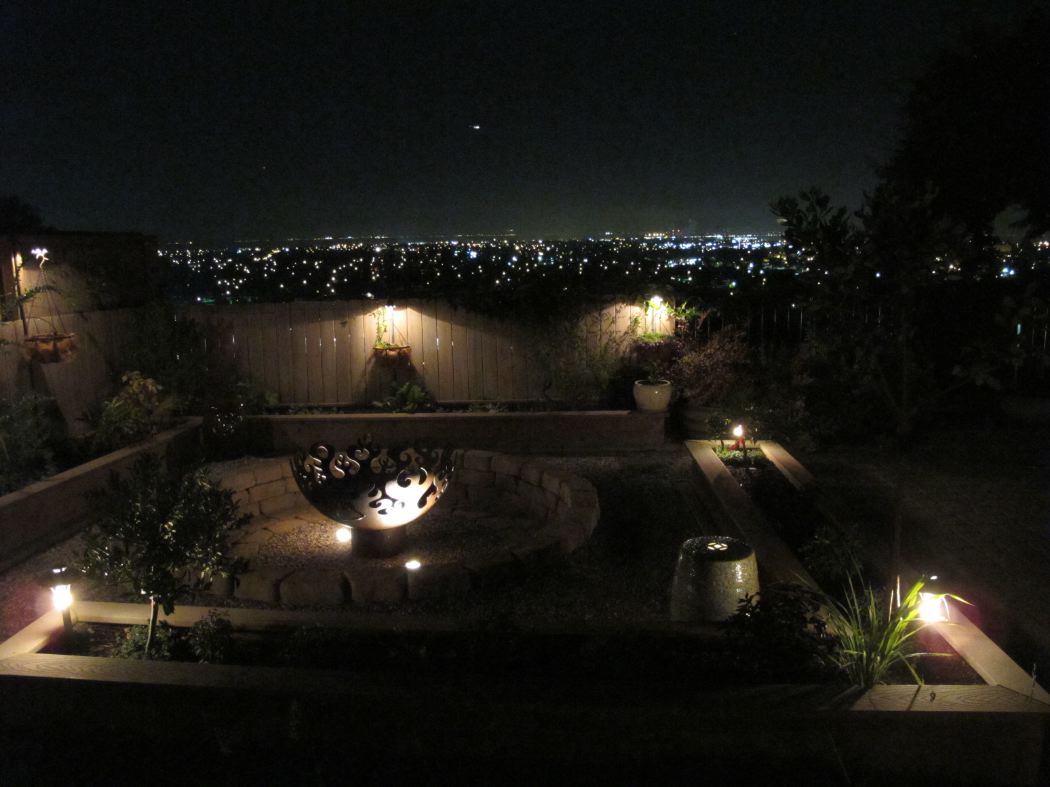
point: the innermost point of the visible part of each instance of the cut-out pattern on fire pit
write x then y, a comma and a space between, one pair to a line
370, 487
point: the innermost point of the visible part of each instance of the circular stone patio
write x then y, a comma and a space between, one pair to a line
498, 511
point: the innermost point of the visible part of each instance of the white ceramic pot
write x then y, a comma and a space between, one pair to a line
652, 397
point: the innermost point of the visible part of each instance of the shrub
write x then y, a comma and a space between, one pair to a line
162, 537
406, 398
578, 356
132, 644
211, 638
715, 372
140, 409
832, 555
27, 437
780, 634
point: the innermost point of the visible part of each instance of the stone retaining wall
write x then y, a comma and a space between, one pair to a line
567, 503
565, 506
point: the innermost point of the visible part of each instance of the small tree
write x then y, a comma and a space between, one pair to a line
162, 537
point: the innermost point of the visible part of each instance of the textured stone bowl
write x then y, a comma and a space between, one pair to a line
712, 576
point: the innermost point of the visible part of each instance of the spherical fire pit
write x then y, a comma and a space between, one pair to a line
374, 490
713, 575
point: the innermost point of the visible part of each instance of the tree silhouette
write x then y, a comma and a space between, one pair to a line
977, 130
18, 216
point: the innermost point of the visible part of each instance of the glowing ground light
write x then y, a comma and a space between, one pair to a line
738, 431
933, 608
62, 597
343, 535
413, 565
717, 546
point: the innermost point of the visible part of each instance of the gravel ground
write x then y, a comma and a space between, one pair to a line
621, 577
975, 509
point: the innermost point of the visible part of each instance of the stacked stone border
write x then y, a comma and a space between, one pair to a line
566, 505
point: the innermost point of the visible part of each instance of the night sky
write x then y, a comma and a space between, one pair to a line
220, 121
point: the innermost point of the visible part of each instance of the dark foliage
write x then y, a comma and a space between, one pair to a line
780, 635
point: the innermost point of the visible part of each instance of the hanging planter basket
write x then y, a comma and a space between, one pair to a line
49, 348
393, 354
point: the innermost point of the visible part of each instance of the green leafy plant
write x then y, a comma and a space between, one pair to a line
161, 537
406, 398
780, 634
874, 635
141, 408
27, 437
211, 638
716, 371
832, 555
135, 640
748, 457
578, 356
487, 407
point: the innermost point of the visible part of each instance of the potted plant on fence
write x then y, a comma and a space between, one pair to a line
55, 346
389, 352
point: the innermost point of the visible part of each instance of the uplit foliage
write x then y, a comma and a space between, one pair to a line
406, 398
160, 537
875, 635
141, 408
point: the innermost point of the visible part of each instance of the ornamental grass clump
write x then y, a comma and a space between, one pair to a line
873, 636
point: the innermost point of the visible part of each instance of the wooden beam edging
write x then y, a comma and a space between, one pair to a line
789, 467
33, 637
47, 511
184, 616
775, 558
986, 658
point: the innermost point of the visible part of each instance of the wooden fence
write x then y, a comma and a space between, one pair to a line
82, 381
321, 352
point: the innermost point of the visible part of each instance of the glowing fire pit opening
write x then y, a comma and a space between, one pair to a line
375, 491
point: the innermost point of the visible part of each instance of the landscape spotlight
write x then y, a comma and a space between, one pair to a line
933, 608
413, 565
343, 535
62, 596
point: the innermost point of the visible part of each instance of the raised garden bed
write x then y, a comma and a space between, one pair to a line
47, 511
610, 684
793, 501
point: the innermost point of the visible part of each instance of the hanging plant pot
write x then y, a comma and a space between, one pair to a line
393, 354
49, 347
